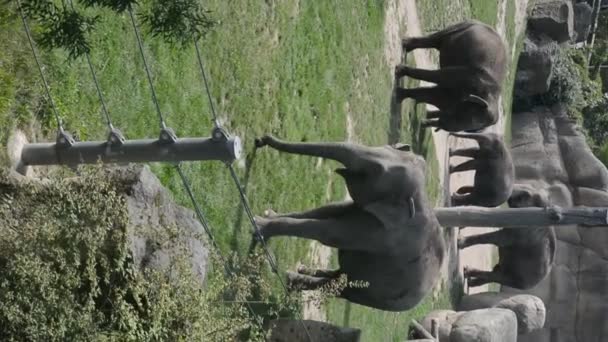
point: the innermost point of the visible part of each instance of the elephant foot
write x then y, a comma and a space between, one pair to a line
302, 269
461, 243
406, 44
401, 70
269, 213
260, 234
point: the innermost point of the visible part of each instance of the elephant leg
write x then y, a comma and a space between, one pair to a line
461, 199
433, 114
500, 238
359, 230
465, 166
304, 282
466, 189
428, 42
318, 272
447, 77
432, 95
353, 156
479, 278
430, 123
327, 211
472, 152
481, 138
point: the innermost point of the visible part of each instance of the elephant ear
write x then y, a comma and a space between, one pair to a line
477, 100
393, 213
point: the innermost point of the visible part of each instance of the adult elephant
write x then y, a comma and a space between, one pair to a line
387, 237
469, 81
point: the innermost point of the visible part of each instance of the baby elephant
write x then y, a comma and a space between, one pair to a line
494, 171
388, 237
473, 61
526, 255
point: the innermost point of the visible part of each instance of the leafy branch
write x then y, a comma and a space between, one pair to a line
174, 21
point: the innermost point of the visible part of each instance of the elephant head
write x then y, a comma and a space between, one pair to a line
524, 196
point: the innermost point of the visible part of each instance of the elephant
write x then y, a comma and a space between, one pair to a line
494, 171
526, 255
473, 66
387, 236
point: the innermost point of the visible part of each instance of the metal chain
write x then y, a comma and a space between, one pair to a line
46, 86
143, 56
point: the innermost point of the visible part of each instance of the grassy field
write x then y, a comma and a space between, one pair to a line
292, 68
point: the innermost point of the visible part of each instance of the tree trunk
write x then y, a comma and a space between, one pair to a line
521, 217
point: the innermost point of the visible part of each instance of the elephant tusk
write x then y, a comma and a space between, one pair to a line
412, 208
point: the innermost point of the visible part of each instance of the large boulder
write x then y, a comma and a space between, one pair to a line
153, 216
583, 19
535, 65
529, 310
485, 325
551, 156
289, 330
553, 18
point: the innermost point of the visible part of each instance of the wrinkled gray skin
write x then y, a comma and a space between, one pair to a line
494, 171
526, 255
472, 60
388, 236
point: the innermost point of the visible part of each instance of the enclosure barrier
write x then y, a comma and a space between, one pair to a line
167, 148
470, 216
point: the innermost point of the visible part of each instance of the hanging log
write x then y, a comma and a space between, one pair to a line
521, 217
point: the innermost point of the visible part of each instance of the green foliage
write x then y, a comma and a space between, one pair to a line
60, 27
118, 6
603, 153
180, 21
67, 273
571, 84
177, 21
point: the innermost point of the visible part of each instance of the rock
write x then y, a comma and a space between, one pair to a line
583, 19
551, 155
152, 214
534, 68
554, 18
529, 310
445, 319
288, 330
485, 325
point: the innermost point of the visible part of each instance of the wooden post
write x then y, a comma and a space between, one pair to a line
521, 217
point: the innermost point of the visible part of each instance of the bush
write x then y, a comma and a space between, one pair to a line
66, 274
571, 84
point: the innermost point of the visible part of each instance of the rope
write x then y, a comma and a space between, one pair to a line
99, 93
200, 64
143, 56
46, 86
203, 220
244, 201
199, 213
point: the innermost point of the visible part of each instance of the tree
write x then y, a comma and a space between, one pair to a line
178, 22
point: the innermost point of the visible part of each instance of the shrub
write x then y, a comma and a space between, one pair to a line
67, 274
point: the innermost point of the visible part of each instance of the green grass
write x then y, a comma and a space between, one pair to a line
291, 68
